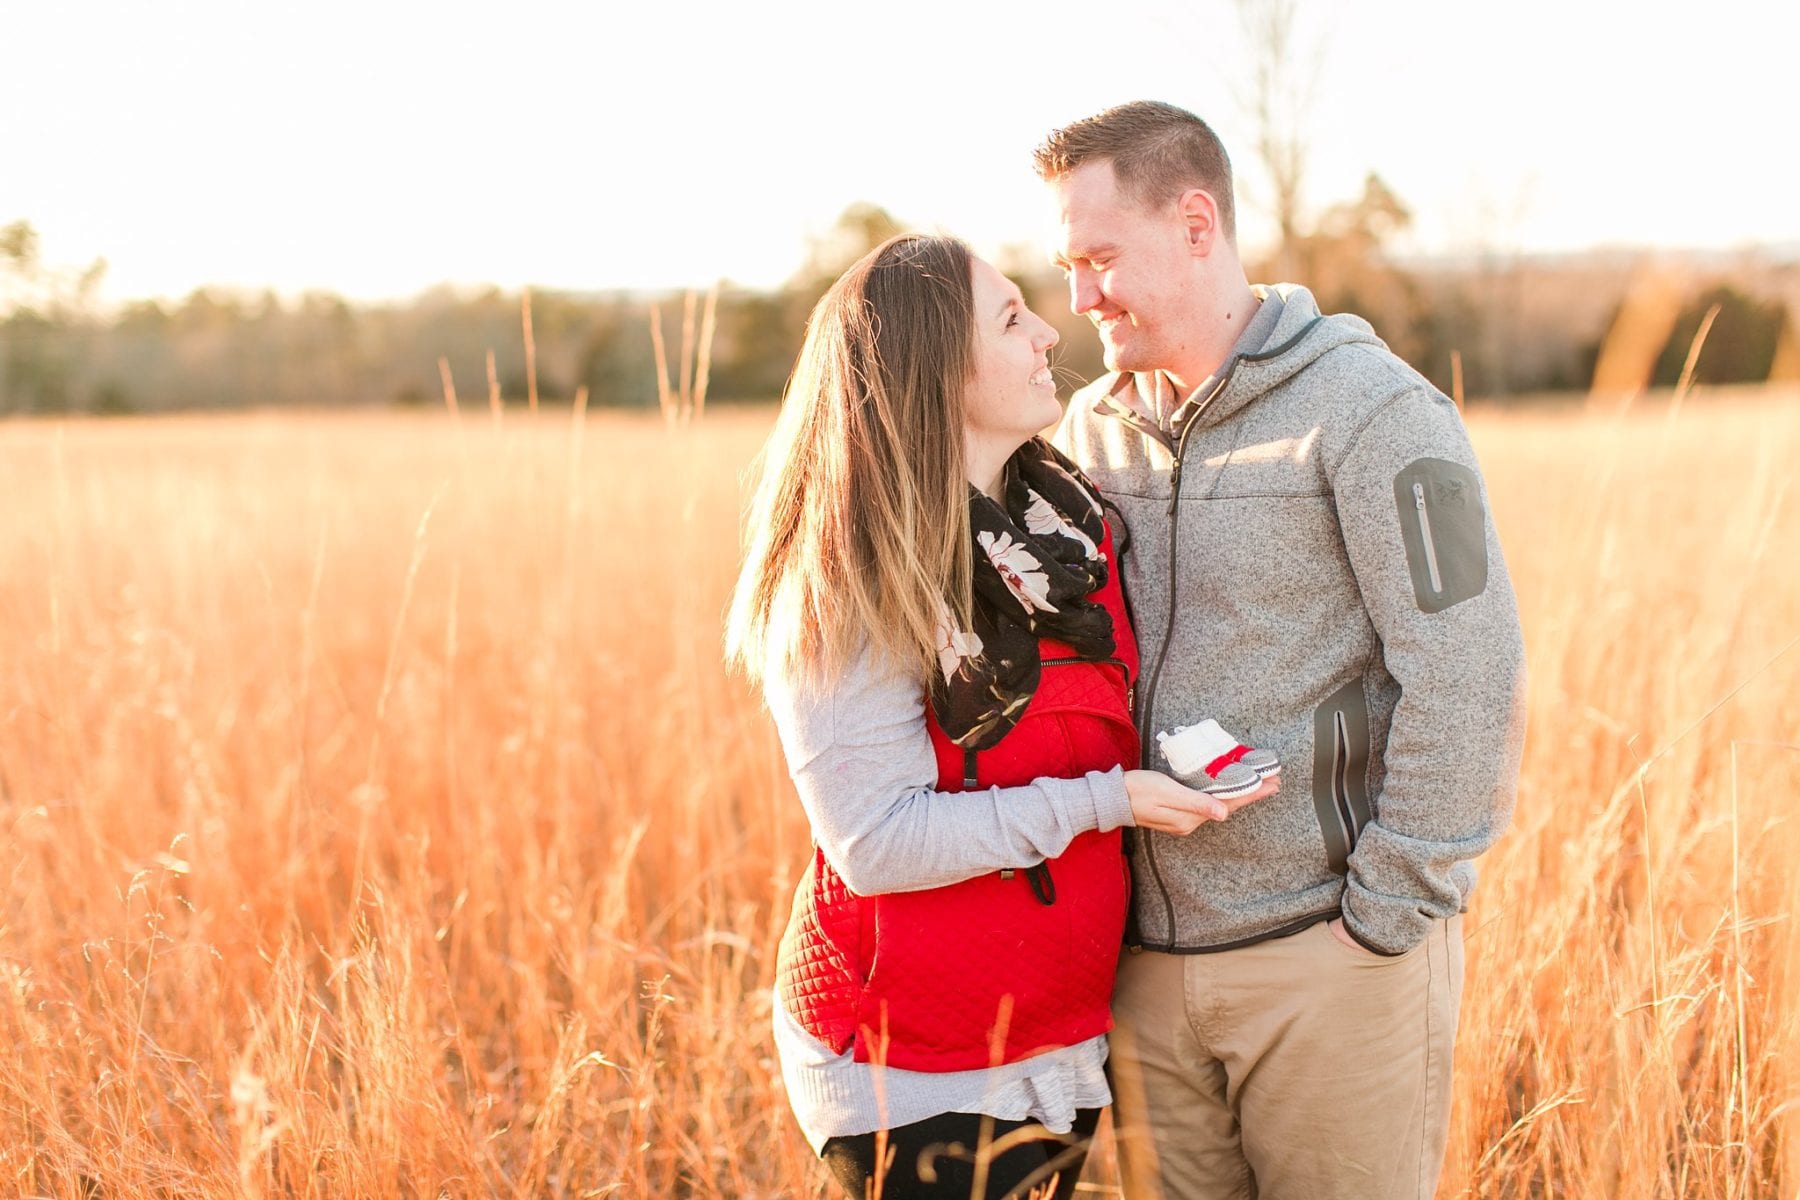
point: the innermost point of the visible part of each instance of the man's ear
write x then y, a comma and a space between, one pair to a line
1200, 214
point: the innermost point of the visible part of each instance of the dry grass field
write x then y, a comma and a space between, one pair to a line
377, 820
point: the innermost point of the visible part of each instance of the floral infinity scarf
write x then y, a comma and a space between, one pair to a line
1037, 561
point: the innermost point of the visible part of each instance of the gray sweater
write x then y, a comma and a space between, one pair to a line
1312, 562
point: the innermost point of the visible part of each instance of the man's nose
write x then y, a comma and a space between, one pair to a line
1084, 291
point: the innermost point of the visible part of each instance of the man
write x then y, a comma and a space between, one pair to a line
1311, 562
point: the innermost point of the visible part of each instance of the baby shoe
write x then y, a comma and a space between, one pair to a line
1207, 750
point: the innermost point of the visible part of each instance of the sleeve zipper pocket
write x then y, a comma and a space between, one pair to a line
1444, 531
1431, 559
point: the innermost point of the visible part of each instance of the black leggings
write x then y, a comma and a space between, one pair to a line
934, 1159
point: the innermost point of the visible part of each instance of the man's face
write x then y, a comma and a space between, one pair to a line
1129, 267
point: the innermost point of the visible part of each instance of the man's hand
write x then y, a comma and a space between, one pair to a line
1160, 803
1336, 925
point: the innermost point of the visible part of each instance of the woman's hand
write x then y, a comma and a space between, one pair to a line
1160, 803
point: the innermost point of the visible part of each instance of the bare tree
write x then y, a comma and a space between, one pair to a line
26, 281
858, 229
1284, 71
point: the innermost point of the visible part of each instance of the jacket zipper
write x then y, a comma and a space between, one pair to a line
1340, 777
1069, 660
1431, 561
1162, 653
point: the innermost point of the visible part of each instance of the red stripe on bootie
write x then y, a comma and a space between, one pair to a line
1226, 759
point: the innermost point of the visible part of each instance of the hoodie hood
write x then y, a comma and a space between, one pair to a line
1300, 337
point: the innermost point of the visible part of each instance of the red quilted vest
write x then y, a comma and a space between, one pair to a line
983, 971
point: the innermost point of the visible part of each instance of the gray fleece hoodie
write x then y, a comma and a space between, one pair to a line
1312, 562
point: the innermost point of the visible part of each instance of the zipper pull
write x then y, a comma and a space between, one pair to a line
1174, 486
1419, 496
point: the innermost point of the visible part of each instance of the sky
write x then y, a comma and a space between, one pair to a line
377, 148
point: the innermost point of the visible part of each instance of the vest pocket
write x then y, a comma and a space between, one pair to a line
1443, 524
1340, 771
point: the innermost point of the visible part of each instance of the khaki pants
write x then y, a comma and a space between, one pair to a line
1293, 1069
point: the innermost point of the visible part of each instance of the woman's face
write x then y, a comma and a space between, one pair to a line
1011, 395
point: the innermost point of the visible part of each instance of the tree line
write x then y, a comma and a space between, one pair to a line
1498, 327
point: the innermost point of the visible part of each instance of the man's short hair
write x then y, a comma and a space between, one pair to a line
1157, 151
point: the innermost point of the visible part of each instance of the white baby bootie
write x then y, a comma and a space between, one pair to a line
1204, 756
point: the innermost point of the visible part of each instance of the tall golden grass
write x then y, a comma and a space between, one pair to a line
376, 818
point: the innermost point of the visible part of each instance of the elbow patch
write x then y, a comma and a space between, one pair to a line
1443, 524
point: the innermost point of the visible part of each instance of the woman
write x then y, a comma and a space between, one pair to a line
929, 602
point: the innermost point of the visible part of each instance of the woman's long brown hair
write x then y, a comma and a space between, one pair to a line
860, 523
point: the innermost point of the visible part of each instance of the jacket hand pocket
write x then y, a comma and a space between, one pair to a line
1340, 771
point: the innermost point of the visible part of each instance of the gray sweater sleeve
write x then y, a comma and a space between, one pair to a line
862, 762
1421, 542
